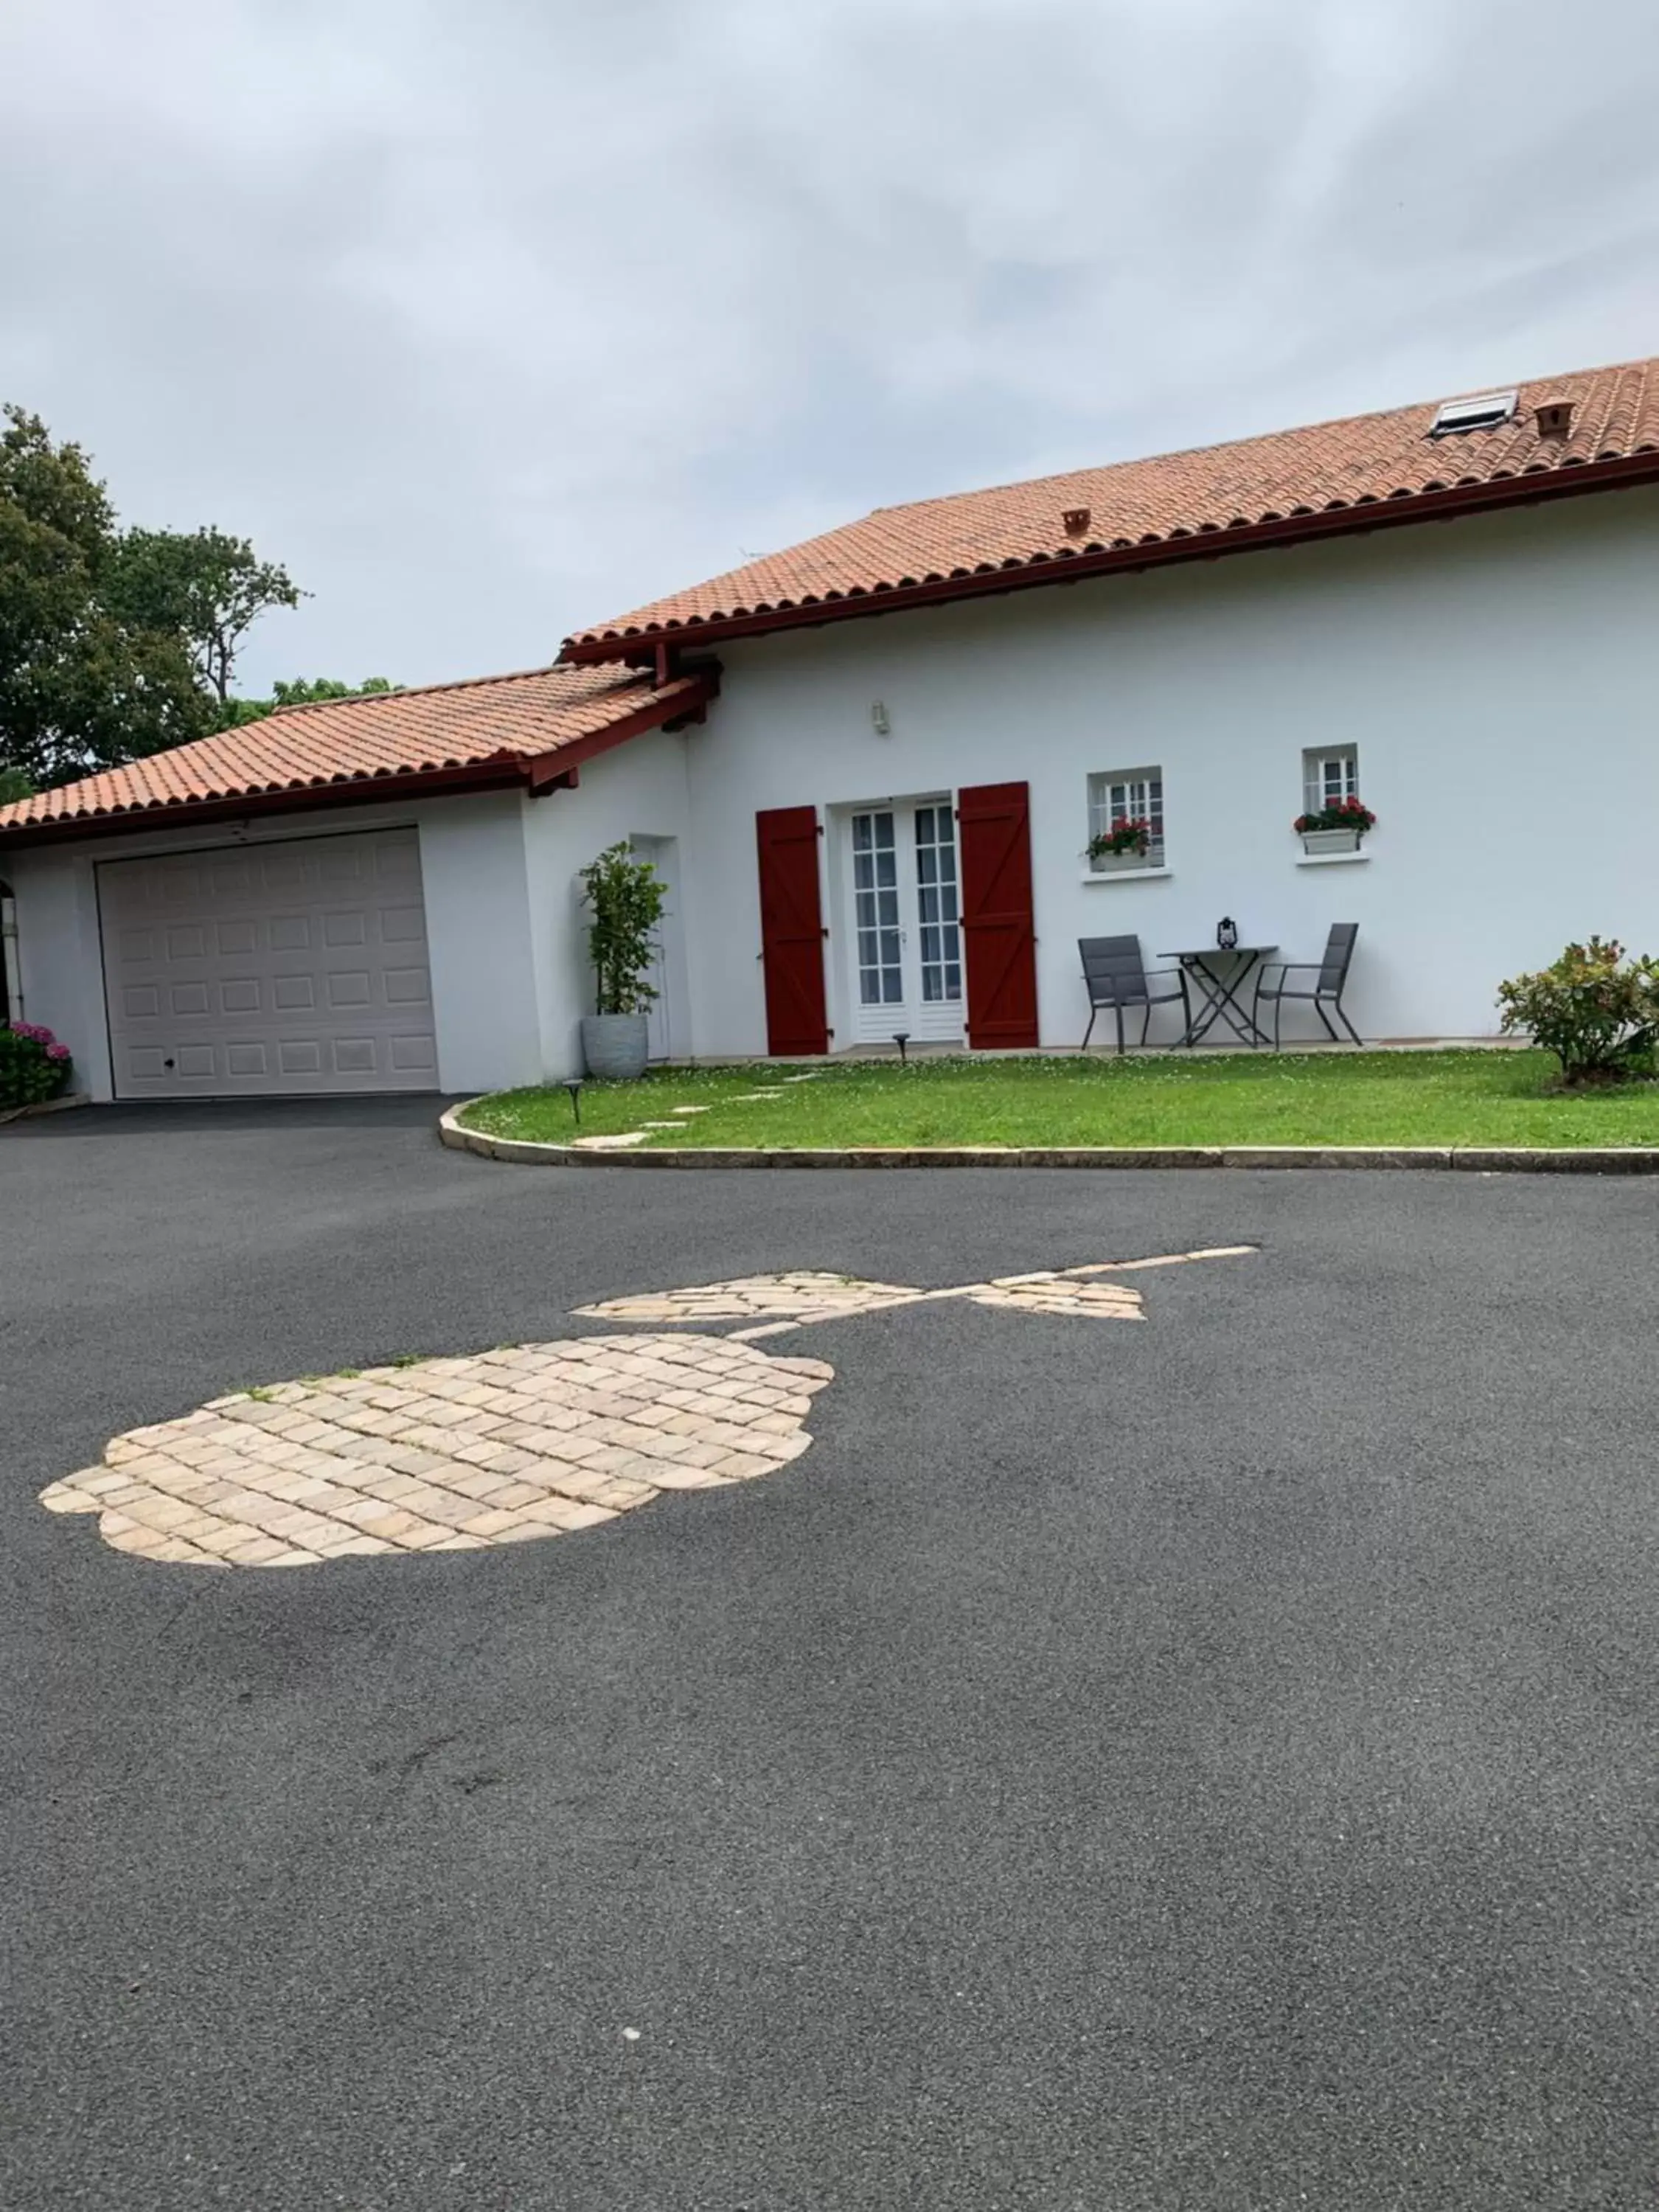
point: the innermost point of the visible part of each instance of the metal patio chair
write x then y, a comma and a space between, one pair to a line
1330, 977
1117, 976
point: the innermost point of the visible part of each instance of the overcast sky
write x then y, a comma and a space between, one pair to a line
493, 319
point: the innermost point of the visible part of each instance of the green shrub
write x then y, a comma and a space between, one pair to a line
627, 897
33, 1066
1596, 1010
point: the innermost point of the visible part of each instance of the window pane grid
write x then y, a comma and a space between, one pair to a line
875, 898
936, 905
1329, 775
1129, 795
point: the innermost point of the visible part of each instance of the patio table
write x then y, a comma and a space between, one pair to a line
1218, 973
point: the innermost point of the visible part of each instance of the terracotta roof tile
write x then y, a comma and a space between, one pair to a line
1327, 468
510, 719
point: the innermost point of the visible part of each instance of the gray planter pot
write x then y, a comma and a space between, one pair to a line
1331, 840
1121, 864
615, 1046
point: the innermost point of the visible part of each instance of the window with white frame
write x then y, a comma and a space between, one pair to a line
1330, 774
1126, 797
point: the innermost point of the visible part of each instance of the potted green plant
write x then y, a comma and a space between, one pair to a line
1337, 829
625, 896
1127, 844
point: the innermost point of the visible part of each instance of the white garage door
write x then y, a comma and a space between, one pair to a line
261, 969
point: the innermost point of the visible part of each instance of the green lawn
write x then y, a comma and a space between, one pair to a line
1243, 1098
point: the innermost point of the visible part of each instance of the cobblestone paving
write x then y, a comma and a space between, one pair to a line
804, 1295
526, 1441
1056, 1294
807, 1295
448, 1455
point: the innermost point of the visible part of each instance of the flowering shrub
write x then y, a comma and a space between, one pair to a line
1597, 1013
33, 1066
1346, 814
1128, 834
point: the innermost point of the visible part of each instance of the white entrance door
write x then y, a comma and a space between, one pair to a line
906, 923
261, 969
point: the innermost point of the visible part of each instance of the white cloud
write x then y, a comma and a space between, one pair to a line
495, 322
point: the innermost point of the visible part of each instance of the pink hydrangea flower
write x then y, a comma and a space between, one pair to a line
58, 1052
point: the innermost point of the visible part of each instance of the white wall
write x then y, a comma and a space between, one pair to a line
475, 874
58, 959
478, 928
640, 790
1498, 677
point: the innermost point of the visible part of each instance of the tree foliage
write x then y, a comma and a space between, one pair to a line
113, 643
300, 692
14, 785
202, 586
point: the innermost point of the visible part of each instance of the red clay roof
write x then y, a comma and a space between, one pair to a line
1292, 482
493, 721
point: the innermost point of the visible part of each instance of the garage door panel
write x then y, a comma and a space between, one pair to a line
403, 925
293, 967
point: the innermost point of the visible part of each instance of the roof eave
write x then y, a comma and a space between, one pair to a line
1042, 570
689, 703
687, 700
495, 775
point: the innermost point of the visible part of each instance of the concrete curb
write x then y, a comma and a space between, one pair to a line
46, 1106
1631, 1160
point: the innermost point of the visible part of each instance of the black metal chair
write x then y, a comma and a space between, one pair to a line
1117, 976
1330, 977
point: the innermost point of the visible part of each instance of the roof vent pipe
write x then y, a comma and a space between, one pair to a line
1554, 418
1076, 520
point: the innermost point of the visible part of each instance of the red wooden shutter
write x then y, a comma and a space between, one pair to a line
792, 930
994, 822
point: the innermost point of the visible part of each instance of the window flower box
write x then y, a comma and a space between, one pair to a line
1337, 829
1128, 846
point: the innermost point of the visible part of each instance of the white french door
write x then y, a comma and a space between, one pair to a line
905, 911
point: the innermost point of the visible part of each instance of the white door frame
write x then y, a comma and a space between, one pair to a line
669, 1018
923, 1021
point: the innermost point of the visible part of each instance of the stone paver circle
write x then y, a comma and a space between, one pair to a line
448, 1455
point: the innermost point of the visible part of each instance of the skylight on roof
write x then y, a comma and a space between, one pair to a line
1484, 412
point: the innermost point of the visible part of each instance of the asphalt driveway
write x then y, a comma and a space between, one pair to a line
1208, 1762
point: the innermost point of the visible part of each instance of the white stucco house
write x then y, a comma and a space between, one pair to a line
870, 767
